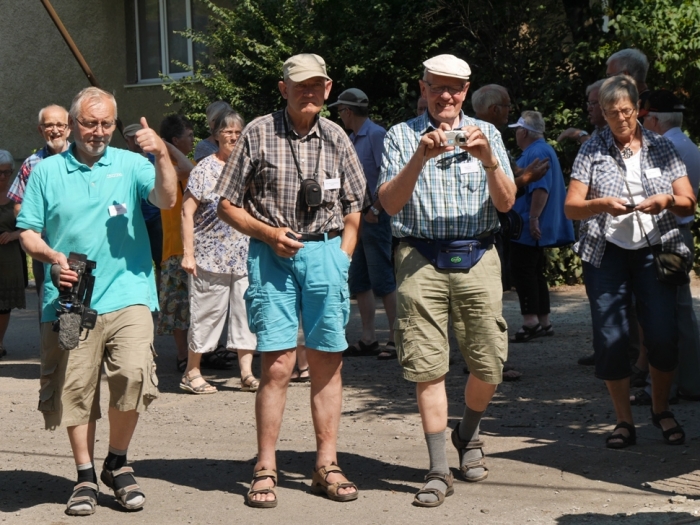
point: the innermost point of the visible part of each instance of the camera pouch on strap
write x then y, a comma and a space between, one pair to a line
670, 268
452, 255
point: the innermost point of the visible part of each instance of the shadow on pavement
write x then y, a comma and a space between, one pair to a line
642, 518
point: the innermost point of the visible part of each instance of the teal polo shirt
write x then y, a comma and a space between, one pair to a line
96, 212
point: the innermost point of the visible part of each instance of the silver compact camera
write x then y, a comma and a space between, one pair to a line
455, 137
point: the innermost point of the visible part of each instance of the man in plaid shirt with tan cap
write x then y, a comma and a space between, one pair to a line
295, 185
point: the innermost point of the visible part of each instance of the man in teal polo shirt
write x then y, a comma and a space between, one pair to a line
88, 201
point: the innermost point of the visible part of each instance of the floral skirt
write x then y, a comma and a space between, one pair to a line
173, 298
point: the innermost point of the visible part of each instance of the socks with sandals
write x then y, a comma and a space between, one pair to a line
438, 463
469, 431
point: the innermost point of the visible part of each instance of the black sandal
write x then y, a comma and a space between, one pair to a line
388, 352
299, 378
362, 349
217, 360
667, 414
527, 333
620, 440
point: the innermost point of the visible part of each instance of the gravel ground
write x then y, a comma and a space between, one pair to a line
194, 455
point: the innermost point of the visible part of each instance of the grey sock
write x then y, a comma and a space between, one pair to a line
438, 463
469, 431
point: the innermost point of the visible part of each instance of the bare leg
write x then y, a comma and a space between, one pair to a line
82, 442
389, 301
620, 394
4, 322
365, 303
477, 394
245, 362
121, 427
302, 368
660, 388
180, 337
193, 369
326, 404
432, 405
269, 407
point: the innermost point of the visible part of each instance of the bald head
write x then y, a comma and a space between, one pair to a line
491, 103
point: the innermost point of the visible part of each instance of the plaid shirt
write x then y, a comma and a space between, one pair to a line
261, 176
599, 165
451, 198
16, 192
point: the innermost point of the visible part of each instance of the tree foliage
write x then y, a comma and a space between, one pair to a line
544, 51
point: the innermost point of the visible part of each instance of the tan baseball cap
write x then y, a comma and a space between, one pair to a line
304, 66
448, 66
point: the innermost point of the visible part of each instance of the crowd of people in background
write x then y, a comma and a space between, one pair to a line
269, 228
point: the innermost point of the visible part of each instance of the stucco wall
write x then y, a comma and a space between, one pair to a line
37, 67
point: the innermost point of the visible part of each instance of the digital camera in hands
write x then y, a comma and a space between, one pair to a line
73, 303
456, 137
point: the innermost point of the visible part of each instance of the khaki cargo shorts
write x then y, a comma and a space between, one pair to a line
428, 298
70, 380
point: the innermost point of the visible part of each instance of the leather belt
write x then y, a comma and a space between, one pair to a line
313, 237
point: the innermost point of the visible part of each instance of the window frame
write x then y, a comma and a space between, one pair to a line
164, 50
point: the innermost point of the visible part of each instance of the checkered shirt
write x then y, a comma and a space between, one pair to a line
16, 192
446, 204
599, 165
261, 177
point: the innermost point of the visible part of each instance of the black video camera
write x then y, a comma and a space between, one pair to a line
76, 299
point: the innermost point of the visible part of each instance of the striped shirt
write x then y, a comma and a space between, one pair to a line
599, 165
451, 198
261, 176
19, 186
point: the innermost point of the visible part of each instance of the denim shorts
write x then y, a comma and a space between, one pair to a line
609, 288
371, 267
313, 284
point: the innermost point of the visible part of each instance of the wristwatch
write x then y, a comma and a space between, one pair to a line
375, 210
581, 134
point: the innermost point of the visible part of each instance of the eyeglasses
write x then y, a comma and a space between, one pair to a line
230, 132
615, 113
52, 125
5, 173
592, 103
439, 90
93, 124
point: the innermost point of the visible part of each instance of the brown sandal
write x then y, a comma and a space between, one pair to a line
257, 476
249, 384
319, 485
447, 479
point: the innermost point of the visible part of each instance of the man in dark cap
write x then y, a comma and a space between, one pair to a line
371, 272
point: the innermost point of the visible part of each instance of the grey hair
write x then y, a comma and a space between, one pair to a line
633, 61
487, 96
50, 106
90, 94
7, 158
595, 86
534, 120
225, 119
215, 108
668, 120
618, 88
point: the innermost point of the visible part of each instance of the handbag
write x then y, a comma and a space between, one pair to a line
670, 267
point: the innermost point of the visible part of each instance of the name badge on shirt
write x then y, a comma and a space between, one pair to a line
469, 167
652, 173
331, 184
117, 209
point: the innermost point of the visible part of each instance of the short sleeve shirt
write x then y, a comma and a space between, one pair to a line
599, 165
96, 212
555, 228
218, 248
369, 145
451, 199
261, 176
19, 185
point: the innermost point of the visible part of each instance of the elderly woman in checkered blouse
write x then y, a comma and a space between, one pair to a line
627, 181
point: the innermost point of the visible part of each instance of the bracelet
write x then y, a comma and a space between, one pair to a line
673, 200
490, 168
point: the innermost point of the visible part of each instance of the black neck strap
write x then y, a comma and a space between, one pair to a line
287, 133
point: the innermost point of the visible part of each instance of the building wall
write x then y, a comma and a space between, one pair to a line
38, 69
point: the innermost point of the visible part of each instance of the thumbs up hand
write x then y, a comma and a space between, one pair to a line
149, 141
